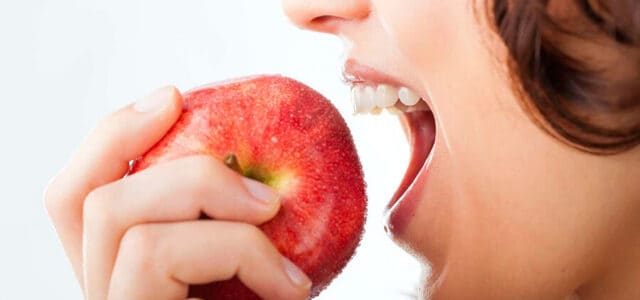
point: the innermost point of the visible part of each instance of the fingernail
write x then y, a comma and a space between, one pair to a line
154, 101
295, 274
260, 191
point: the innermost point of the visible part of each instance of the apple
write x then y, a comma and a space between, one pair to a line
283, 133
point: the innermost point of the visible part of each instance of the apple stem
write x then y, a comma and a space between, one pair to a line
230, 160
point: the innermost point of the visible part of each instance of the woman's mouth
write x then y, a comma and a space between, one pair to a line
372, 92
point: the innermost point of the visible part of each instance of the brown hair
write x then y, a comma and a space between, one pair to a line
579, 71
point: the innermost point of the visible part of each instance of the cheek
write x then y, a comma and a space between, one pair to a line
520, 208
420, 28
503, 196
490, 194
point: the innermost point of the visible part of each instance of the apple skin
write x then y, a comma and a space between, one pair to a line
290, 137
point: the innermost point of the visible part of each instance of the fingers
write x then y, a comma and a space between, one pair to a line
178, 190
104, 157
159, 261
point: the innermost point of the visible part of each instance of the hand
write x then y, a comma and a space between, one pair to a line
139, 237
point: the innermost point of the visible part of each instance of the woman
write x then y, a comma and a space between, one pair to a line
522, 185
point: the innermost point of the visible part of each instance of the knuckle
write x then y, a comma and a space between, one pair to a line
205, 164
96, 204
253, 235
53, 202
203, 171
138, 245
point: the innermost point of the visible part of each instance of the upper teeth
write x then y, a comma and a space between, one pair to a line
364, 99
407, 97
367, 99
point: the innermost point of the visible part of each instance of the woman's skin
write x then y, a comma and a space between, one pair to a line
509, 212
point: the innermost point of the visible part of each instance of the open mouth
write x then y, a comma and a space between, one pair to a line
373, 92
420, 131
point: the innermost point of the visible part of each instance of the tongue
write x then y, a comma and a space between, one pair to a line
420, 130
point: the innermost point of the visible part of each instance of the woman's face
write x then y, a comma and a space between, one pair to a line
499, 200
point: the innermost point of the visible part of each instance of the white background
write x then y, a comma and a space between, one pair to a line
65, 63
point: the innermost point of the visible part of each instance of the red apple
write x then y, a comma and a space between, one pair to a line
291, 138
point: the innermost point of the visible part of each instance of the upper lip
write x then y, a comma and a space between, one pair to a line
355, 73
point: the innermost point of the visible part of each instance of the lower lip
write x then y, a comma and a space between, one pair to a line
421, 135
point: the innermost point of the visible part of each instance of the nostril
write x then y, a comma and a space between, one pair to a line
322, 19
325, 23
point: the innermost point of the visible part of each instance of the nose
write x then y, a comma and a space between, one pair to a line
325, 15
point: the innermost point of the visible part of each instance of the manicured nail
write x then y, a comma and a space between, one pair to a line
295, 274
260, 191
154, 101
